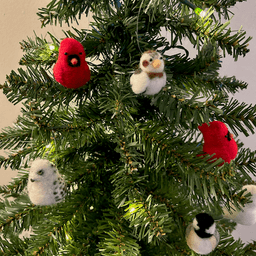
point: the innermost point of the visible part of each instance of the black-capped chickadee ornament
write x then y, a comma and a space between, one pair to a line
45, 184
201, 235
247, 216
150, 78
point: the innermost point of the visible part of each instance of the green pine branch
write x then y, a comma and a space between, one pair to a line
35, 84
63, 11
198, 30
39, 52
17, 247
239, 117
203, 179
222, 6
245, 162
16, 186
116, 236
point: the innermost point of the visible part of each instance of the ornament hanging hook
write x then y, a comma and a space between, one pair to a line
137, 27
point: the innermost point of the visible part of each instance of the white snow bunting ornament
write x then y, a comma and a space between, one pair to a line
247, 216
45, 185
150, 78
201, 235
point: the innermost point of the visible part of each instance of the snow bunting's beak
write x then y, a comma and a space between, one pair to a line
32, 180
156, 63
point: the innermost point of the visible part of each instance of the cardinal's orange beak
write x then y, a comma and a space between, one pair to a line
74, 61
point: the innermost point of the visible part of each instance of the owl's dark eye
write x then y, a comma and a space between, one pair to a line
80, 53
40, 172
65, 53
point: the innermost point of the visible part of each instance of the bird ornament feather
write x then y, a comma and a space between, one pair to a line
247, 216
71, 70
45, 184
201, 235
150, 78
219, 141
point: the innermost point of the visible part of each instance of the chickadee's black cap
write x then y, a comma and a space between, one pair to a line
204, 220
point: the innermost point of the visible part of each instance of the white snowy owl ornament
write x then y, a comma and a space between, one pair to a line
201, 235
247, 216
45, 184
150, 78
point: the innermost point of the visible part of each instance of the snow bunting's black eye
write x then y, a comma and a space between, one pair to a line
150, 59
80, 53
65, 53
161, 58
40, 172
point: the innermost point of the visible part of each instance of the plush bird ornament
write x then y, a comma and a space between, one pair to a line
219, 141
45, 185
150, 78
247, 216
201, 235
71, 69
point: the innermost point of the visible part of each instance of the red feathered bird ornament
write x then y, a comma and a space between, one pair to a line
71, 69
219, 141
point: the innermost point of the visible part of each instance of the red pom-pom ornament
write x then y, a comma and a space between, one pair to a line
219, 141
71, 70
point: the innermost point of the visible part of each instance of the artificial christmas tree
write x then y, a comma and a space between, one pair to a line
134, 178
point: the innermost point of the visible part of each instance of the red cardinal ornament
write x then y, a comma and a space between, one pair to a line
219, 141
71, 69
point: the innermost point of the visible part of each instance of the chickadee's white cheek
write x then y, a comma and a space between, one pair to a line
195, 224
211, 229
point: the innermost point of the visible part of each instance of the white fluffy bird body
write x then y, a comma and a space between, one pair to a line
247, 216
150, 78
205, 243
45, 185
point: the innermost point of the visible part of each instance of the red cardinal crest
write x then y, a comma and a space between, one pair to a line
71, 69
219, 141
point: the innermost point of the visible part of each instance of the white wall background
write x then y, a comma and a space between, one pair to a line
18, 20
244, 69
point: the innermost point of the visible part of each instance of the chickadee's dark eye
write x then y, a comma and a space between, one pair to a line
65, 53
40, 172
80, 53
